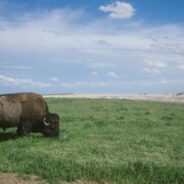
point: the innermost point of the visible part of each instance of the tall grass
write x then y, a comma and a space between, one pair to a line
114, 141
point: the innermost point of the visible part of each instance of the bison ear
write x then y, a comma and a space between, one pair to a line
45, 121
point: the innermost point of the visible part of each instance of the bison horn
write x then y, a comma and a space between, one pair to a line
45, 122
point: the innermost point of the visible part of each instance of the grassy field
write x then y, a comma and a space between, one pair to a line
113, 141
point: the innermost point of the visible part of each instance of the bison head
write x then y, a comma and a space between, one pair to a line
51, 125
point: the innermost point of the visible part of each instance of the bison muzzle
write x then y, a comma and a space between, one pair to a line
29, 113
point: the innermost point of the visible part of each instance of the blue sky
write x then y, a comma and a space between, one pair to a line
97, 46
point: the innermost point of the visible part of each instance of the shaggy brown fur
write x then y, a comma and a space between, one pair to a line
26, 111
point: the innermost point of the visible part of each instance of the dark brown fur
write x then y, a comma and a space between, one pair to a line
26, 111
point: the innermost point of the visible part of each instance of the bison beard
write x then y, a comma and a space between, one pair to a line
29, 113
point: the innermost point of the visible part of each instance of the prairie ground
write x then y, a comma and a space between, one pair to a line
103, 141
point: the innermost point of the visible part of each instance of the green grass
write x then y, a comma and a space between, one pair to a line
114, 141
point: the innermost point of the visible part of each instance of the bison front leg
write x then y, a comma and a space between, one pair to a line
23, 129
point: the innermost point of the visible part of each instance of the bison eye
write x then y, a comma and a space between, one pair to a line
45, 121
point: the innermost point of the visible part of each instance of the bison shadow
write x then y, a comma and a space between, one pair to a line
5, 136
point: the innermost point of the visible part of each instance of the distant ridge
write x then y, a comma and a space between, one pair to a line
175, 97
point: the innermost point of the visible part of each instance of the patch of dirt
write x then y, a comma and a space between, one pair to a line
83, 182
10, 178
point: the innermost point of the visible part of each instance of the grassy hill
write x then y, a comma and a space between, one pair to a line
113, 141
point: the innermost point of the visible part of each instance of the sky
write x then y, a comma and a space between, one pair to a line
96, 46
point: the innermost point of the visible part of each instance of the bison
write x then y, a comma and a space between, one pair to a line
29, 113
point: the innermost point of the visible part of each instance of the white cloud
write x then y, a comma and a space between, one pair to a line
94, 73
119, 10
17, 67
152, 71
9, 81
154, 67
181, 67
54, 79
113, 75
163, 81
102, 42
82, 84
101, 65
157, 64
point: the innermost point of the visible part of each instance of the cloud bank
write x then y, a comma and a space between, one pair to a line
56, 46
